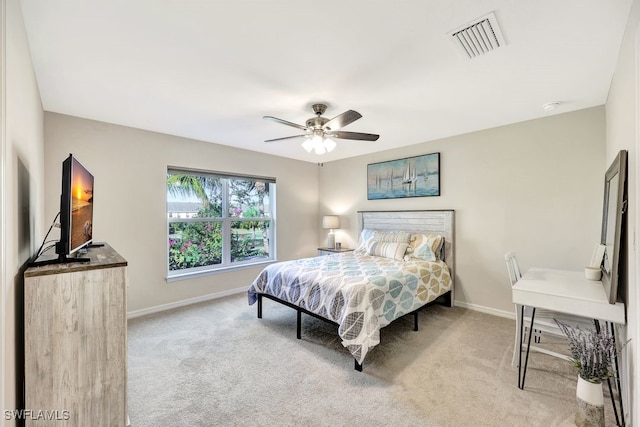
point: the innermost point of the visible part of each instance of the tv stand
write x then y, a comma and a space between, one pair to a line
95, 245
75, 341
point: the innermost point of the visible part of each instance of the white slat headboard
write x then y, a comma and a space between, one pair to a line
429, 221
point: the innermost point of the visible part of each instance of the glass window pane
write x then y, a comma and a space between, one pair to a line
248, 198
249, 240
229, 207
194, 244
193, 196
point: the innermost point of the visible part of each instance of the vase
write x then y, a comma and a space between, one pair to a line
590, 400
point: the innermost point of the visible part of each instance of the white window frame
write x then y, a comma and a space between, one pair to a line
226, 220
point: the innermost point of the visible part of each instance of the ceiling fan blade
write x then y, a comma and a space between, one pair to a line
284, 122
341, 120
354, 135
287, 137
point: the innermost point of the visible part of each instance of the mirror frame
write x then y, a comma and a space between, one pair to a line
616, 203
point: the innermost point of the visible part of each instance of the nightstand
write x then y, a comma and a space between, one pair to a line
329, 251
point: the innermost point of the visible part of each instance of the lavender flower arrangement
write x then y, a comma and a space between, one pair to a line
592, 351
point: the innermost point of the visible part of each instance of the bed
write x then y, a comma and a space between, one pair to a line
404, 261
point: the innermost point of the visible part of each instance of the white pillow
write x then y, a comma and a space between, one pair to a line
393, 250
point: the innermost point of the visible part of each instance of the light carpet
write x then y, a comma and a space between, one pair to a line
216, 364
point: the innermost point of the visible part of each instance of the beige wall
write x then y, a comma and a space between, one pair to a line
623, 125
130, 166
528, 187
21, 190
533, 187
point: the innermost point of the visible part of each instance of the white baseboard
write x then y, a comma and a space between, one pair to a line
488, 310
182, 303
217, 295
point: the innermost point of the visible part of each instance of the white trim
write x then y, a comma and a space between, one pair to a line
207, 271
631, 396
488, 310
218, 295
209, 297
183, 303
3, 245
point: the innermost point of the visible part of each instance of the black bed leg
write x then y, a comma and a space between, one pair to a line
299, 325
357, 366
415, 321
259, 306
448, 299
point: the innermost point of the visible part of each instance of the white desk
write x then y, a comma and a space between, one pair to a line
566, 292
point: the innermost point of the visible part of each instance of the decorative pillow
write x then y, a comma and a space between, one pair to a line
393, 250
369, 235
425, 247
392, 236
365, 236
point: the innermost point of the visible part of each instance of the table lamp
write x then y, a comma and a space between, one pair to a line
331, 222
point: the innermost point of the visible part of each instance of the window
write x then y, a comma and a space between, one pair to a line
217, 221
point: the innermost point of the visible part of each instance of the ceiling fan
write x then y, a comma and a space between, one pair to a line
320, 131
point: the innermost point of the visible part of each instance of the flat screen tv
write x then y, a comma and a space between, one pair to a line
76, 214
76, 208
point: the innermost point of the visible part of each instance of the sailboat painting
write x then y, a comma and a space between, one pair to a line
411, 177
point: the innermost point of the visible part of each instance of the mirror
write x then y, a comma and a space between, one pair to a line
614, 207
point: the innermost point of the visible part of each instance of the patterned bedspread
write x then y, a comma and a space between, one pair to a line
361, 293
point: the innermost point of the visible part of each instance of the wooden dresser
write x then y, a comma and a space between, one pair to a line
76, 342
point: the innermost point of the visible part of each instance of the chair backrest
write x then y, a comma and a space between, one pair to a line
513, 269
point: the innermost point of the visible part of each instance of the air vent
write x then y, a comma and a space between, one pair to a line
478, 37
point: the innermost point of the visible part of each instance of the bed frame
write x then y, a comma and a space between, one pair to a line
426, 221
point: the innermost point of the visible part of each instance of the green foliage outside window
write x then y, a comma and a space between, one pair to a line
196, 242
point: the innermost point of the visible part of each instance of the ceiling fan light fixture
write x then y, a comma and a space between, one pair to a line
319, 148
307, 145
318, 136
320, 131
329, 144
318, 142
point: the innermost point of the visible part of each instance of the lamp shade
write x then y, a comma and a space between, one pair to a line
330, 221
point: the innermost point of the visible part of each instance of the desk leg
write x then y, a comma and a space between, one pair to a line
613, 403
526, 360
520, 335
617, 377
596, 322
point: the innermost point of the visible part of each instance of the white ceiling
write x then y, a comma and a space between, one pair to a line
210, 69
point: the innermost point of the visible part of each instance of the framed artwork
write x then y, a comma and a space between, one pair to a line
411, 177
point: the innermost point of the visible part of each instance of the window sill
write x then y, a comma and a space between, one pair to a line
228, 269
